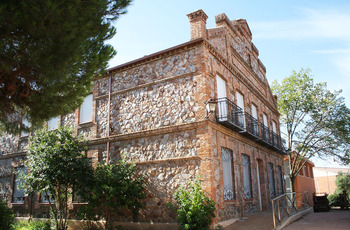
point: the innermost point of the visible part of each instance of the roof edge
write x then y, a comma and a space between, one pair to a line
144, 58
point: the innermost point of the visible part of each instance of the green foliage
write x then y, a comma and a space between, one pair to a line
343, 183
6, 217
194, 208
333, 199
33, 225
316, 121
50, 52
55, 164
114, 186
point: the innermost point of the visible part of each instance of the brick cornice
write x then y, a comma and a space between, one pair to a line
155, 56
149, 132
149, 84
13, 155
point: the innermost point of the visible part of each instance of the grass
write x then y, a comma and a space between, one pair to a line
34, 225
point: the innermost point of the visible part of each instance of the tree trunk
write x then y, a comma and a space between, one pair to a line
292, 180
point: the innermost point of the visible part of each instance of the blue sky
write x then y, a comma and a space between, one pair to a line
290, 35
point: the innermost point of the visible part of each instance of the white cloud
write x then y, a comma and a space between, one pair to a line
311, 24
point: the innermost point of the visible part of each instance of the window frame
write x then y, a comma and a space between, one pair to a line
15, 186
82, 113
247, 194
280, 179
49, 128
232, 174
272, 179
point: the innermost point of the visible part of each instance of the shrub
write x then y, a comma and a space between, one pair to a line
333, 199
34, 225
194, 208
114, 186
6, 217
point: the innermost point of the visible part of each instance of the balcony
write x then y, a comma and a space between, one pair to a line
232, 116
229, 114
265, 135
252, 127
275, 140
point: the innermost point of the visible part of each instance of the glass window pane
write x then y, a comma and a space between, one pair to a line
272, 180
25, 123
246, 177
18, 193
53, 123
228, 175
86, 110
280, 180
45, 196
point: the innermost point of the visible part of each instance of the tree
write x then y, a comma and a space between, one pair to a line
194, 208
114, 186
316, 120
342, 182
55, 165
50, 53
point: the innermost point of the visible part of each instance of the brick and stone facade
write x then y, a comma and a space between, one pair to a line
152, 111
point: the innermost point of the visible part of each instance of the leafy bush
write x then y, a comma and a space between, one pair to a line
34, 225
194, 208
333, 199
114, 186
6, 217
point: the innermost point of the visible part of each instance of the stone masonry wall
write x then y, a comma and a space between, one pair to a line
158, 147
164, 104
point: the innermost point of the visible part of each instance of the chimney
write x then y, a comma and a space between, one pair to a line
198, 22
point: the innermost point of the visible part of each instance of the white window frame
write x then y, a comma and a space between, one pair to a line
52, 124
27, 124
85, 111
240, 103
274, 127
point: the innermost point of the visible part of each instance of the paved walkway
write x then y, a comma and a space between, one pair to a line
332, 220
258, 221
335, 219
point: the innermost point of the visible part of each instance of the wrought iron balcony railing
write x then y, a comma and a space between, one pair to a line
232, 116
276, 140
252, 125
265, 134
229, 114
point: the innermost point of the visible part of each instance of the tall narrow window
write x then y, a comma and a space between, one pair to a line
255, 122
247, 178
265, 120
254, 112
240, 103
274, 127
280, 180
25, 123
18, 193
272, 180
228, 174
86, 110
45, 197
53, 123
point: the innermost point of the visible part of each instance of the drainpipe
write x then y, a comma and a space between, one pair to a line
109, 118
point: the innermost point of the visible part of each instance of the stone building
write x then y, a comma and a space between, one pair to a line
153, 111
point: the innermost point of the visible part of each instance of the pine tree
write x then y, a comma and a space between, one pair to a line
50, 51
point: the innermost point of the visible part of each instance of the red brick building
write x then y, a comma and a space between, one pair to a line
152, 111
305, 181
325, 178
